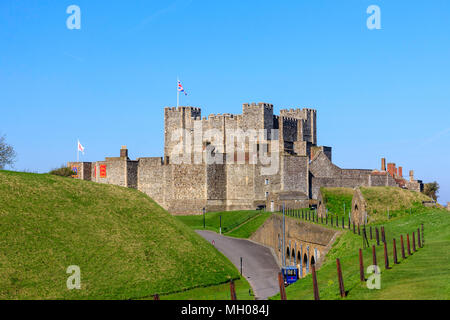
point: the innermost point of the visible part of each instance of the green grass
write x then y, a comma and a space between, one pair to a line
126, 245
219, 292
424, 275
336, 198
392, 201
230, 220
248, 228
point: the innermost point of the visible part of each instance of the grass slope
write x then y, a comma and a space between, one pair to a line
125, 244
230, 220
219, 292
398, 201
246, 229
336, 199
424, 275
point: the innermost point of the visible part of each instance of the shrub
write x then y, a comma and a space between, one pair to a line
63, 172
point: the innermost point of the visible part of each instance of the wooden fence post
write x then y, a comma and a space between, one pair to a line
281, 283
341, 280
395, 252
315, 287
377, 234
403, 247
361, 266
374, 255
386, 257
414, 241
370, 232
408, 244
232, 290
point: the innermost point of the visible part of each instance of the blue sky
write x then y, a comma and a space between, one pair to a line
379, 93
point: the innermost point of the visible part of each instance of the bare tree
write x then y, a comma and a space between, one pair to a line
7, 154
431, 189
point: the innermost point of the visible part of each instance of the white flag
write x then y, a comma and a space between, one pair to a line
80, 147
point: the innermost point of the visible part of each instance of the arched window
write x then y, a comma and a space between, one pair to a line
305, 259
313, 261
288, 253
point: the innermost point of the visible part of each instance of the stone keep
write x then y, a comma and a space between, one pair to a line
188, 186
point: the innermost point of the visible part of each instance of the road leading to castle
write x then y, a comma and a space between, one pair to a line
259, 265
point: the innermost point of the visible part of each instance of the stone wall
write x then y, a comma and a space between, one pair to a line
240, 186
216, 181
294, 171
132, 174
185, 188
303, 240
83, 169
326, 174
359, 208
290, 199
151, 179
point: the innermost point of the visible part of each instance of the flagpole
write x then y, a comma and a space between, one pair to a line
178, 94
78, 151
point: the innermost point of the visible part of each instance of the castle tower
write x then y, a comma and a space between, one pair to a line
257, 116
177, 118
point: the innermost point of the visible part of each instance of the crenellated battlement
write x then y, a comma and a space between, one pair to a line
258, 105
289, 120
298, 113
193, 112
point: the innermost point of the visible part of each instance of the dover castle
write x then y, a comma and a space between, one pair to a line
185, 180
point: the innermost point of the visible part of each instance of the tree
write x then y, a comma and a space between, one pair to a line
431, 189
7, 153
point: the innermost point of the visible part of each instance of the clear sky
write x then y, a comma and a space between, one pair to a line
379, 93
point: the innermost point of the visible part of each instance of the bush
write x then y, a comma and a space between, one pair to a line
63, 172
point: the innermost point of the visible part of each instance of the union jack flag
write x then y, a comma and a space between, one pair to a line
181, 89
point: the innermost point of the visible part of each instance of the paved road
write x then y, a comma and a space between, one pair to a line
259, 265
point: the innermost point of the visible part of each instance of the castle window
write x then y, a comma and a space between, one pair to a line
267, 194
267, 181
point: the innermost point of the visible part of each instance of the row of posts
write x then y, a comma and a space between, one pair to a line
329, 219
410, 247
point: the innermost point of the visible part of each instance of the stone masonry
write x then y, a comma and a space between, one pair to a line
184, 181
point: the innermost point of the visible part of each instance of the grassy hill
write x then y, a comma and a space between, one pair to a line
336, 199
239, 224
424, 275
379, 201
125, 244
398, 201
